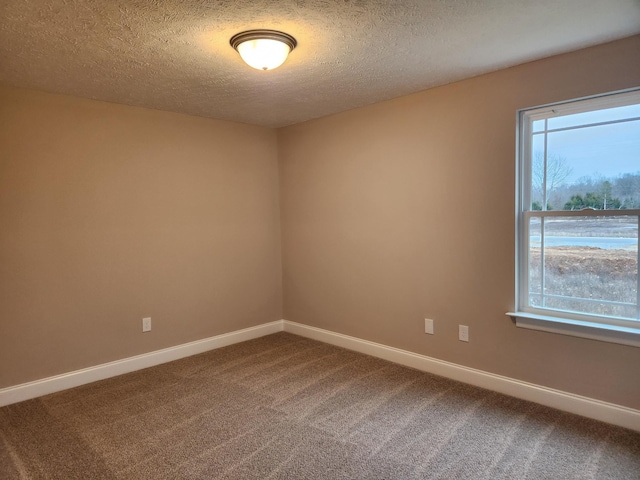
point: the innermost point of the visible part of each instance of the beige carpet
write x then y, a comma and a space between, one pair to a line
286, 407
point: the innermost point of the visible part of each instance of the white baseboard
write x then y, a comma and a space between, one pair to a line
568, 402
587, 407
37, 388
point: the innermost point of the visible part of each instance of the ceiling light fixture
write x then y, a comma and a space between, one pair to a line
263, 49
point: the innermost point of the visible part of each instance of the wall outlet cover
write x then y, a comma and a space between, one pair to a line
428, 326
463, 333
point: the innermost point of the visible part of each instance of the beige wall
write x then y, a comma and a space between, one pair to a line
405, 209
111, 213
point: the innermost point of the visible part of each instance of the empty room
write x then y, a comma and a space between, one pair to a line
319, 239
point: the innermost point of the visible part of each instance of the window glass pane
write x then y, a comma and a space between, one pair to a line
537, 126
537, 172
592, 167
585, 118
535, 266
591, 265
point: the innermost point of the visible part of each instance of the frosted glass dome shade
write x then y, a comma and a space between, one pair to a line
263, 49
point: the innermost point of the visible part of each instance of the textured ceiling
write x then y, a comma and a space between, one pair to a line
175, 54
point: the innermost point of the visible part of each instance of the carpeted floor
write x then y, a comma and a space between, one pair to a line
284, 406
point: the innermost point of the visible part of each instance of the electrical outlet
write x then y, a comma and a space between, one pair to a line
428, 326
146, 324
463, 333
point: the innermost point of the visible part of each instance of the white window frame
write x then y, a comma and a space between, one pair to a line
610, 329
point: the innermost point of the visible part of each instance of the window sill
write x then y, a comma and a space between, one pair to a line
578, 328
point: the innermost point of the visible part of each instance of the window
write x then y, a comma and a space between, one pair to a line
578, 215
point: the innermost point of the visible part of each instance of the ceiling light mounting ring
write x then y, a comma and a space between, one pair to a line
248, 35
